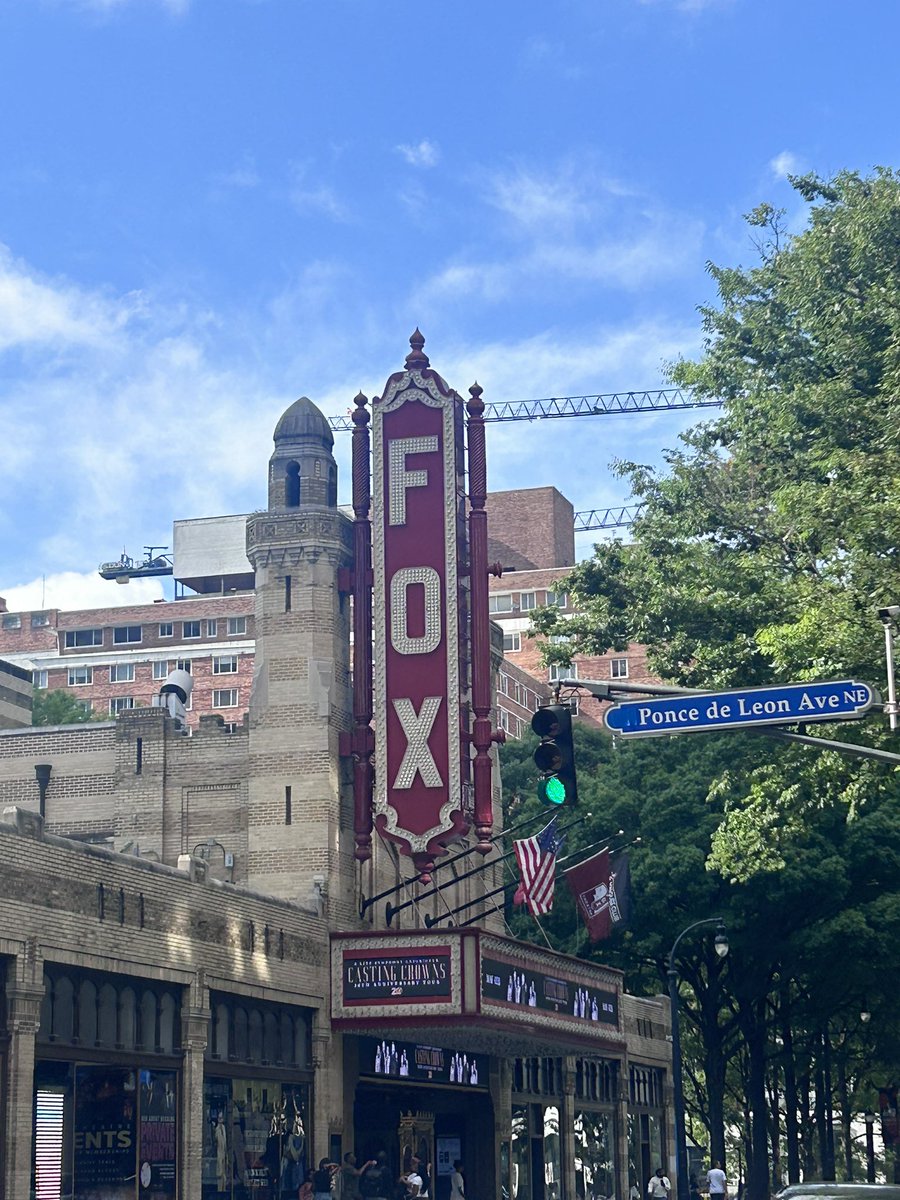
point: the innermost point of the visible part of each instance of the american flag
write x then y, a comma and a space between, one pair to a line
536, 857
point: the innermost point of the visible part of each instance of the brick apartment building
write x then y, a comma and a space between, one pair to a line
116, 658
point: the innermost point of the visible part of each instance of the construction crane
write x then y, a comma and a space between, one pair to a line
606, 518
604, 405
126, 568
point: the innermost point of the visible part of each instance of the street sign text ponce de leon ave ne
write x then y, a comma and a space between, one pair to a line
843, 700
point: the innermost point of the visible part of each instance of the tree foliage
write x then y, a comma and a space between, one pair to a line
764, 548
58, 708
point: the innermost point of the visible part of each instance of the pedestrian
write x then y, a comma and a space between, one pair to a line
351, 1175
306, 1188
457, 1181
375, 1180
322, 1179
415, 1184
693, 1187
634, 1192
717, 1183
659, 1187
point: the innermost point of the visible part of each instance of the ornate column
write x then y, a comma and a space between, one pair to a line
24, 993
194, 1040
363, 737
567, 1127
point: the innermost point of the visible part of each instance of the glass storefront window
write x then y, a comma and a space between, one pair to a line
595, 1175
519, 1157
552, 1161
255, 1143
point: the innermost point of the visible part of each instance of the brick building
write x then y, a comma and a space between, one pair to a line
202, 992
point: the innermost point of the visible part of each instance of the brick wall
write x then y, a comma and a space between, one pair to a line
531, 527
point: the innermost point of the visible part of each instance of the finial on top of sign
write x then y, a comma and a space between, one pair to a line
360, 415
416, 359
475, 406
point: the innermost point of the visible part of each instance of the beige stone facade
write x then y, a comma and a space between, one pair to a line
203, 992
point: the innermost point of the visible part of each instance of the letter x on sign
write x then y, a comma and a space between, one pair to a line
417, 726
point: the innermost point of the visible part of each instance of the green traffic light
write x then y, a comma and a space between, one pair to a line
552, 791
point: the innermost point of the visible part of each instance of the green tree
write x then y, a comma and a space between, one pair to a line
58, 708
765, 547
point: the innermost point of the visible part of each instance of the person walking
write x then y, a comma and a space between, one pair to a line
375, 1180
659, 1187
457, 1181
351, 1175
717, 1183
322, 1179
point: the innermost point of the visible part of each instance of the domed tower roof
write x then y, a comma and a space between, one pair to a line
304, 420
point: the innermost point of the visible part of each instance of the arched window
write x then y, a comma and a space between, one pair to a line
256, 1036
270, 1038
332, 486
87, 1013
167, 1039
148, 1021
292, 485
107, 1012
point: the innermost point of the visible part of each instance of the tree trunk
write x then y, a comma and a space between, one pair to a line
791, 1131
846, 1117
758, 1166
774, 1128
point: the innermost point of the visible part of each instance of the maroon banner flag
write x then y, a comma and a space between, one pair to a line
601, 886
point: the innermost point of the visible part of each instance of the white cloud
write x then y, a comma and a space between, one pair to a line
35, 310
424, 154
534, 201
74, 589
784, 164
243, 175
308, 194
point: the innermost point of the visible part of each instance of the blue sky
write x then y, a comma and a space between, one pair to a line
211, 207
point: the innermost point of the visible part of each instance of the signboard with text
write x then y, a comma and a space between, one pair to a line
412, 1062
518, 985
415, 974
787, 704
417, 474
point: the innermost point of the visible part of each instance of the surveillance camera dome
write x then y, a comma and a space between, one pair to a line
890, 613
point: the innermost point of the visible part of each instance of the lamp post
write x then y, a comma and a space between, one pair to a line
870, 1146
721, 945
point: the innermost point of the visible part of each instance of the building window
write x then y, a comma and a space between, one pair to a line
39, 679
120, 704
190, 629
225, 698
500, 604
126, 633
83, 637
527, 601
236, 626
560, 599
160, 670
12, 621
212, 628
39, 620
80, 675
558, 672
618, 668
182, 664
225, 666
121, 673
512, 642
166, 629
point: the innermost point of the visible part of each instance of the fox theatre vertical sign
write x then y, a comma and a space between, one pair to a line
421, 651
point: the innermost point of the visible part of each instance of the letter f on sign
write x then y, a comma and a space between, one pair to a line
399, 478
417, 726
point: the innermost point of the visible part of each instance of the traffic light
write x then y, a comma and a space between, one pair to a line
555, 756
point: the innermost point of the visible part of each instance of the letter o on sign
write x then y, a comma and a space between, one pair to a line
400, 584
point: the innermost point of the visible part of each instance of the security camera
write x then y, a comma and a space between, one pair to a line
891, 613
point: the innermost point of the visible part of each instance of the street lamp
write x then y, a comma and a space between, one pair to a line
721, 947
870, 1146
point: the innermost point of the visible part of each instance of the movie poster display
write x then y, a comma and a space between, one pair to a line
412, 1062
157, 1134
256, 1139
105, 1133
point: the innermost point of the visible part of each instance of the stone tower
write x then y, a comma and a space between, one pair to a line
297, 808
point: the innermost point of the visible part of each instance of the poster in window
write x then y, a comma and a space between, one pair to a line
105, 1128
156, 1134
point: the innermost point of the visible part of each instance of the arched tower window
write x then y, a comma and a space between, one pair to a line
292, 485
332, 486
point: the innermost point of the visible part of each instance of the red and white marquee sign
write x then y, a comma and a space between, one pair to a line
417, 440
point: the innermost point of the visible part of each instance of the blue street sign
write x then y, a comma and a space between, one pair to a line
785, 705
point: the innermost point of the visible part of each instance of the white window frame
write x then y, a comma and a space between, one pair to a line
218, 667
232, 702
39, 679
120, 704
12, 621
555, 672
115, 677
527, 601
560, 599
160, 670
182, 664
166, 629
500, 602
212, 627
615, 668
127, 640
190, 636
515, 643
40, 620
75, 671
75, 644
237, 626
